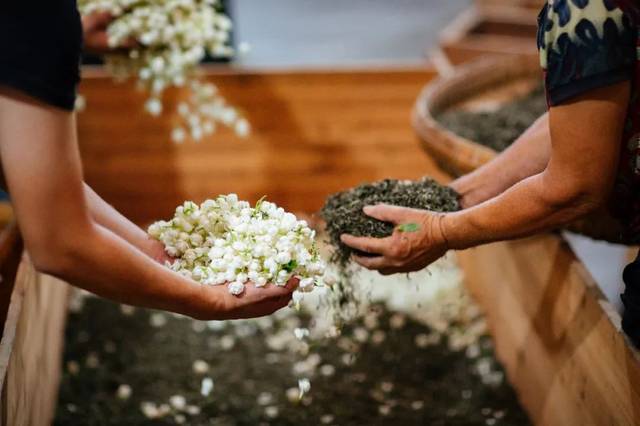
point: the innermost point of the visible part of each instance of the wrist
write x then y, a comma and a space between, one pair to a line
439, 231
203, 302
450, 226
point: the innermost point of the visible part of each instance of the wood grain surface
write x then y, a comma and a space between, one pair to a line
314, 133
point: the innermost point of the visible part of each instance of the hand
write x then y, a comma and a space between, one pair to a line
155, 250
252, 303
416, 242
96, 39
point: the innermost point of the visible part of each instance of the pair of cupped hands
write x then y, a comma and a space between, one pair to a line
416, 242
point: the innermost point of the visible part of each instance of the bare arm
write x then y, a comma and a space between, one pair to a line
107, 216
42, 167
585, 146
527, 156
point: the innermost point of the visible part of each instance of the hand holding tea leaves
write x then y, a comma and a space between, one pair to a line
416, 242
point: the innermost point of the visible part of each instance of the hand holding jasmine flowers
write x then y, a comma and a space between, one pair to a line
225, 241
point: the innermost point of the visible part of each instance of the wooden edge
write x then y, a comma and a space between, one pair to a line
460, 26
456, 154
441, 62
211, 70
510, 14
12, 292
10, 327
556, 334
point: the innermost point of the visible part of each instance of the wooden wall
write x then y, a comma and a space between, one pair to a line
34, 349
314, 132
556, 334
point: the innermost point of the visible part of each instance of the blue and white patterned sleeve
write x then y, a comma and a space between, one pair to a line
584, 45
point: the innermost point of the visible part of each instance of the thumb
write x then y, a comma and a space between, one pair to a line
388, 213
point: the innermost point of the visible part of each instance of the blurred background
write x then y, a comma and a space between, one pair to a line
341, 33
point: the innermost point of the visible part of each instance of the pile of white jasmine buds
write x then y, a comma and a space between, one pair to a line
171, 37
226, 241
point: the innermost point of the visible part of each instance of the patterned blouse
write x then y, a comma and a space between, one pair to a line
588, 44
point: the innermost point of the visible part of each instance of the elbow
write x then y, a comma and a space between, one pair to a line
56, 255
52, 259
574, 198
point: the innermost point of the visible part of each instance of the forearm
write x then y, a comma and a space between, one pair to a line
103, 263
108, 217
527, 208
527, 156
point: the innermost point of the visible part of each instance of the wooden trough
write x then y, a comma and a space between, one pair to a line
316, 132
490, 28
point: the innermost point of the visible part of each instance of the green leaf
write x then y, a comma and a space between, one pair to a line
408, 227
291, 266
259, 202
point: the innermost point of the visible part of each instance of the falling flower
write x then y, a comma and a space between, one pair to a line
157, 320
304, 386
171, 38
200, 367
206, 387
272, 412
301, 333
178, 402
123, 392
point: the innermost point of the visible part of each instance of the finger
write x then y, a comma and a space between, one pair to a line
97, 20
404, 269
283, 301
292, 284
277, 291
388, 213
366, 244
375, 263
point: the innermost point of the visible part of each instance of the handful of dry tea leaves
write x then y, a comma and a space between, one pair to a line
343, 210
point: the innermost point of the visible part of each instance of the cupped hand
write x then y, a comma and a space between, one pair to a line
416, 242
253, 302
155, 250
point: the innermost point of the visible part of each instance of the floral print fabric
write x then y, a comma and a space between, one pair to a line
588, 44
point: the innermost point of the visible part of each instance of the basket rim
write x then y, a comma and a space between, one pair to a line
493, 69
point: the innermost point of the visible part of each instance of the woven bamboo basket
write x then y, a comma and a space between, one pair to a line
483, 85
477, 85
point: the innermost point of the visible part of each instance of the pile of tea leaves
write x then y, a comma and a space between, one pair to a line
343, 213
500, 128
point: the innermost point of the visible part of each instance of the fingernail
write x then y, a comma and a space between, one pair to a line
367, 209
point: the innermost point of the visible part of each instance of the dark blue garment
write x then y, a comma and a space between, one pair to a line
40, 49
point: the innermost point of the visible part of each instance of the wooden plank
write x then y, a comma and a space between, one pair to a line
556, 334
314, 133
489, 30
29, 395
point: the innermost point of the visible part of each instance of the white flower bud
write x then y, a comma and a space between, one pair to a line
236, 288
